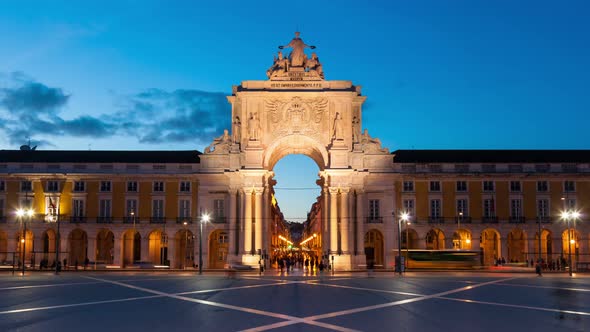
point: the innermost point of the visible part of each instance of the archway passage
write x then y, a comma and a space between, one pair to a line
490, 243
131, 247
435, 239
105, 246
218, 249
570, 240
516, 246
48, 247
410, 239
374, 249
158, 247
185, 248
545, 246
77, 247
3, 248
462, 239
25, 243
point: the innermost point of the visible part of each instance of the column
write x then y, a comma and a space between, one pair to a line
258, 216
144, 247
333, 208
344, 222
117, 259
240, 220
360, 217
325, 227
91, 251
172, 251
247, 221
232, 222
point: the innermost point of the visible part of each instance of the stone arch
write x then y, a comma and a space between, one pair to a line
77, 247
295, 144
410, 239
374, 248
491, 246
516, 244
435, 239
48, 246
105, 246
218, 249
158, 247
3, 247
185, 248
571, 242
131, 247
28, 243
462, 239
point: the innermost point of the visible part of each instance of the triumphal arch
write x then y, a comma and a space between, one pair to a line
295, 111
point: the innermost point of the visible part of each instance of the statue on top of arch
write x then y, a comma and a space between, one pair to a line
297, 66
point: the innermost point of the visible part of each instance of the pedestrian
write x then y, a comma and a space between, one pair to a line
538, 269
86, 261
65, 264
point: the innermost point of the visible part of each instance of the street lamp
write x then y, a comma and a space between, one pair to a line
404, 217
24, 214
459, 229
204, 218
185, 244
567, 215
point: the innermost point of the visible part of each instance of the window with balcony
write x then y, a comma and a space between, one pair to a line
78, 211
105, 186
104, 208
569, 186
489, 208
461, 186
408, 206
408, 186
542, 186
26, 186
184, 208
543, 208
515, 209
462, 208
2, 208
2, 185
219, 210
79, 186
52, 186
515, 186
158, 208
185, 186
435, 209
132, 186
158, 186
488, 186
374, 212
131, 208
435, 186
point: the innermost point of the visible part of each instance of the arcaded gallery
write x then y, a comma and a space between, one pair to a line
121, 209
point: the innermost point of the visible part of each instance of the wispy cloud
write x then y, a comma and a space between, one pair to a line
30, 109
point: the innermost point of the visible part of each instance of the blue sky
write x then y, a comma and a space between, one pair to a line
153, 74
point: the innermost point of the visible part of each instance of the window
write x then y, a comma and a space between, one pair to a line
462, 209
79, 186
373, 209
184, 208
435, 208
158, 186
52, 186
131, 207
104, 208
461, 186
219, 210
408, 205
488, 186
2, 185
515, 186
489, 209
158, 208
408, 186
543, 208
132, 186
516, 208
78, 208
1, 207
185, 186
105, 186
26, 186
569, 186
570, 203
434, 185
542, 186
223, 238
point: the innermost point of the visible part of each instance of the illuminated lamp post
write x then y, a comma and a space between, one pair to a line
23, 215
404, 217
204, 219
567, 216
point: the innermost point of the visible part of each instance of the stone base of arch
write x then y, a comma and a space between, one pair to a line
342, 262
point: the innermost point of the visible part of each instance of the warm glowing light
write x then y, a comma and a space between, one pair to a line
20, 212
315, 235
572, 241
309, 238
205, 218
405, 216
185, 223
468, 241
575, 214
284, 239
565, 215
22, 240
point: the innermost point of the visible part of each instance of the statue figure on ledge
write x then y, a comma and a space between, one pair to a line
338, 130
279, 66
371, 144
237, 130
314, 64
220, 144
254, 127
297, 56
355, 130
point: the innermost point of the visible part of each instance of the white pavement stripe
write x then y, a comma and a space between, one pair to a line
391, 304
368, 289
548, 287
227, 306
229, 288
517, 306
50, 285
16, 311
